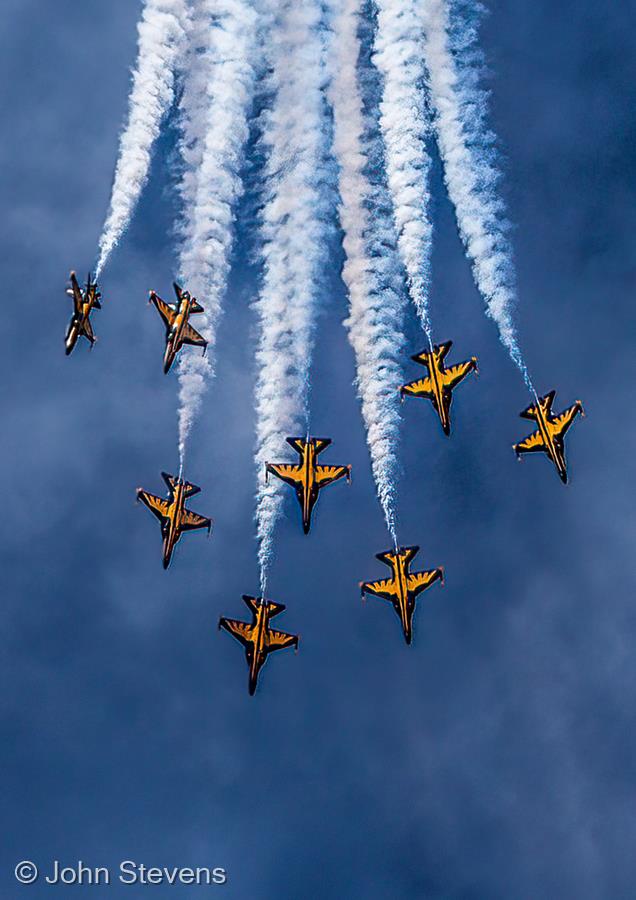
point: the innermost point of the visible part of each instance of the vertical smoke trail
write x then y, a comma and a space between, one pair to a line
405, 127
215, 107
294, 237
468, 155
376, 305
161, 41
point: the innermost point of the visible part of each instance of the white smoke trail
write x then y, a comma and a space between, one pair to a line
215, 106
161, 41
376, 306
470, 170
294, 237
405, 126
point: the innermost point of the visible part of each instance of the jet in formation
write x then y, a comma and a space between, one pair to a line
172, 512
403, 586
438, 385
178, 328
307, 477
258, 638
551, 430
84, 302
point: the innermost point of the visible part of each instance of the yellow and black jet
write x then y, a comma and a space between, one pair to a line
439, 383
178, 328
551, 430
172, 513
258, 638
403, 586
84, 302
307, 477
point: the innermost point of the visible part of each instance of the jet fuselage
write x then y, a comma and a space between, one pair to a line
79, 319
405, 601
172, 526
554, 451
259, 645
173, 339
434, 362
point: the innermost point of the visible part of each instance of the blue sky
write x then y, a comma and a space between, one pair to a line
491, 759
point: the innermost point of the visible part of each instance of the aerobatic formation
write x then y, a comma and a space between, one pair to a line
369, 87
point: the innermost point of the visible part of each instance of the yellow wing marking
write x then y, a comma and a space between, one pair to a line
289, 473
278, 640
191, 336
327, 474
560, 424
422, 387
242, 631
533, 442
191, 520
455, 374
417, 582
386, 587
167, 313
157, 505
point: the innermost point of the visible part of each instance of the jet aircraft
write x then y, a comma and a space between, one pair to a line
307, 477
403, 586
551, 430
84, 302
438, 385
172, 513
178, 328
258, 638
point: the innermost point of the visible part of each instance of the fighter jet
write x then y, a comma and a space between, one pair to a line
439, 383
178, 328
172, 513
257, 637
549, 435
84, 302
307, 477
403, 586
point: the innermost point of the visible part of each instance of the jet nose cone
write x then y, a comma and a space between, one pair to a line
446, 428
408, 636
563, 475
67, 349
252, 687
306, 525
166, 562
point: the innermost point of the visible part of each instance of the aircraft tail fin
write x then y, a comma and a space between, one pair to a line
298, 443
173, 480
407, 553
545, 403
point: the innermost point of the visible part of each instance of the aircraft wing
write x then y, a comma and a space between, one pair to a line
190, 521
417, 582
158, 506
423, 387
454, 374
531, 444
325, 475
77, 294
278, 640
242, 631
191, 336
385, 588
167, 313
562, 423
286, 472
